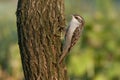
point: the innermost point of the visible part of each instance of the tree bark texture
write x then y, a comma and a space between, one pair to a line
39, 38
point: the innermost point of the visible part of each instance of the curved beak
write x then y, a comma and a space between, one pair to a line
72, 16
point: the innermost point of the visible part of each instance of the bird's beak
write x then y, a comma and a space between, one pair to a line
72, 16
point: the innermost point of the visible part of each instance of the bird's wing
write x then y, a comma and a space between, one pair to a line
75, 36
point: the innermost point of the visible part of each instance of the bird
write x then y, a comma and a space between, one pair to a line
72, 34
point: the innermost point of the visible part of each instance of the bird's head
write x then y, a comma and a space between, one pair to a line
78, 18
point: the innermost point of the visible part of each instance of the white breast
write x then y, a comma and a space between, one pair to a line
73, 25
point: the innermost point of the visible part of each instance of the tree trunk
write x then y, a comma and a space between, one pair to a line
39, 38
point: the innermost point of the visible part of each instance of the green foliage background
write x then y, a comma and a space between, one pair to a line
95, 57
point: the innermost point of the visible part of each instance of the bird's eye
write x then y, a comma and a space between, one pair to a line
76, 17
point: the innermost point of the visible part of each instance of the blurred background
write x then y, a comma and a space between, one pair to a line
95, 57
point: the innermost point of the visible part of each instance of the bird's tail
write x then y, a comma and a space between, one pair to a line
64, 53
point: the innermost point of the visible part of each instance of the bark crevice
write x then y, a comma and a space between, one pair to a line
39, 38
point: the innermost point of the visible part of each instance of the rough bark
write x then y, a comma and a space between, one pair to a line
38, 25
